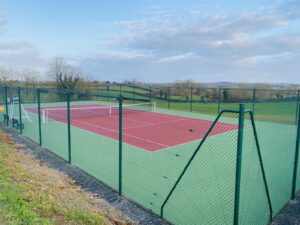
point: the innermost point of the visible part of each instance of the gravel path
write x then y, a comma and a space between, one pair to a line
130, 210
290, 214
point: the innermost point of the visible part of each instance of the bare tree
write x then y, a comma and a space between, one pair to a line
65, 76
56, 67
7, 75
30, 78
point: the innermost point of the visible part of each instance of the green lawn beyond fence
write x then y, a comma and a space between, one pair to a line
216, 162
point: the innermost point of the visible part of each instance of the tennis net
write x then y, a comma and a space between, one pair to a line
90, 111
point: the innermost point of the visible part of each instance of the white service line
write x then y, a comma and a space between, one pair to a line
143, 139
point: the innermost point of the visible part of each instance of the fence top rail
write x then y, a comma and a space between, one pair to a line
172, 87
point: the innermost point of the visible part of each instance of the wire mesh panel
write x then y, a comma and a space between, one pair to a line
157, 143
2, 103
254, 206
208, 101
94, 136
152, 159
54, 122
279, 106
206, 192
275, 119
230, 98
13, 106
30, 117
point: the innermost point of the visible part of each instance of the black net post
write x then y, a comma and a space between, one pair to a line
120, 141
238, 164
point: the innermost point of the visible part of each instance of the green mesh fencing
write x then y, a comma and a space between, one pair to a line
169, 149
277, 130
92, 151
13, 107
2, 103
30, 119
54, 129
206, 192
253, 196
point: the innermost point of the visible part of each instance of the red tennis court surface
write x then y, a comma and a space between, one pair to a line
151, 131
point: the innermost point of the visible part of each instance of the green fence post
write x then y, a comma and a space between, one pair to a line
39, 112
6, 104
219, 100
297, 108
296, 159
133, 89
120, 142
253, 100
191, 100
261, 164
169, 96
69, 128
238, 164
20, 111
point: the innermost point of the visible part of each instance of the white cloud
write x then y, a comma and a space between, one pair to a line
241, 46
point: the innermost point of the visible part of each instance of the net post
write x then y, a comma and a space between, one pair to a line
20, 111
219, 100
6, 103
69, 128
120, 141
296, 159
238, 164
39, 114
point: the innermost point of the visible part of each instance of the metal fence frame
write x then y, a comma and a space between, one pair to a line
241, 113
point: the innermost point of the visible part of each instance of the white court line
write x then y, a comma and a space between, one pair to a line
143, 139
152, 124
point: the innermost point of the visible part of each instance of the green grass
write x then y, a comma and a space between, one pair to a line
31, 194
13, 205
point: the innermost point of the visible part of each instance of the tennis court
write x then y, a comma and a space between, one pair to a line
142, 151
142, 126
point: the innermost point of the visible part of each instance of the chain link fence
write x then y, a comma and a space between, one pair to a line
192, 157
